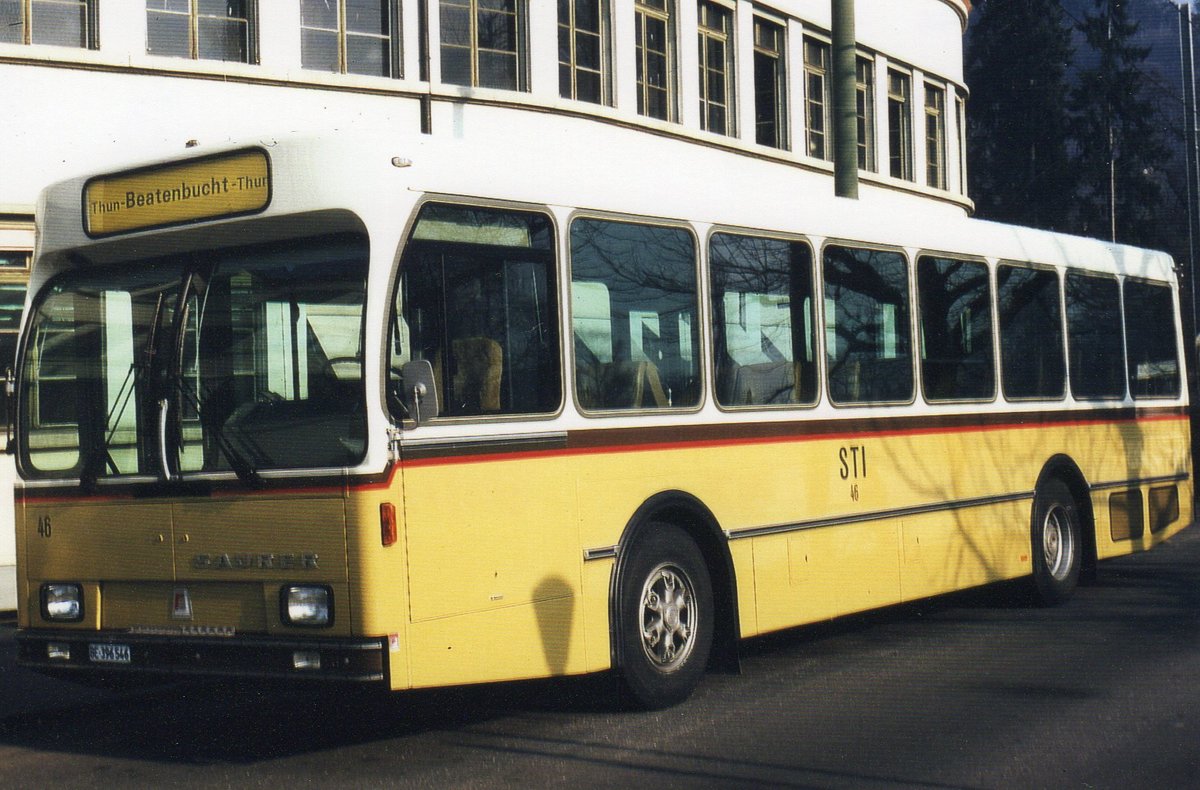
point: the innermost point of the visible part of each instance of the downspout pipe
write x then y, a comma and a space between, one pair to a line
845, 100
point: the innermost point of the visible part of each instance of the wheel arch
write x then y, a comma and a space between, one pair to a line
1063, 468
688, 513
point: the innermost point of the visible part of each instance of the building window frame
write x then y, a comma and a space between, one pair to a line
715, 50
935, 135
573, 40
817, 97
900, 126
655, 66
770, 83
25, 31
346, 37
476, 36
864, 98
195, 16
960, 114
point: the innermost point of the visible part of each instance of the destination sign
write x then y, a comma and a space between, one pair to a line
215, 187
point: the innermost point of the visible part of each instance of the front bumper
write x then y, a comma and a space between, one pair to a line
356, 660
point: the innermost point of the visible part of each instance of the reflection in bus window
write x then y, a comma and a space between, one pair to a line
956, 329
867, 336
86, 367
1031, 334
477, 299
1094, 336
634, 314
1150, 335
763, 321
272, 351
262, 368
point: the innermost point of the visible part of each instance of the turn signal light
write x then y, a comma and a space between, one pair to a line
387, 523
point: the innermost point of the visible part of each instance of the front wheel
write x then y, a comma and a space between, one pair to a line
665, 617
1056, 542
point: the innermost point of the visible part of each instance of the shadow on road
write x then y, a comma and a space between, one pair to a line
1151, 600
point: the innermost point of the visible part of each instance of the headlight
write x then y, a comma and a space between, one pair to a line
307, 604
62, 603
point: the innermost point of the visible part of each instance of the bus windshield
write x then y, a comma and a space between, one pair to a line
239, 360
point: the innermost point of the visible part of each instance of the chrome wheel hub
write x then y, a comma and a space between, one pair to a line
668, 617
1058, 546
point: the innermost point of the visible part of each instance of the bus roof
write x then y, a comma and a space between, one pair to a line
376, 178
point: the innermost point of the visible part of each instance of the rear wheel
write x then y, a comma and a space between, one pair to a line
1055, 536
665, 617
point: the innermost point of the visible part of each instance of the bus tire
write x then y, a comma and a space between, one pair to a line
665, 618
1057, 544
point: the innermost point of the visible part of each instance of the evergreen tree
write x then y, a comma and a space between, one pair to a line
1018, 54
1118, 139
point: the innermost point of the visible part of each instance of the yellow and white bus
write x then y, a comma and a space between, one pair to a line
416, 411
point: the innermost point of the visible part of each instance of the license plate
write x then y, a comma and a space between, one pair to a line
109, 654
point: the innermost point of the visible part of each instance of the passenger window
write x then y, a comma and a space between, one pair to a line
1097, 356
1150, 339
763, 321
634, 315
956, 329
1031, 340
868, 342
477, 299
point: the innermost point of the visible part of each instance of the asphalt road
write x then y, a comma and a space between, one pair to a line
975, 690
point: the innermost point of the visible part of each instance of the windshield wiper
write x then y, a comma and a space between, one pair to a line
98, 456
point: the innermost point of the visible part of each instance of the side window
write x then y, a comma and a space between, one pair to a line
202, 29
1097, 358
956, 329
351, 36
868, 345
484, 43
763, 321
477, 298
1150, 339
634, 315
1031, 340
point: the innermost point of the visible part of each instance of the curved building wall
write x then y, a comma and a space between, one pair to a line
78, 109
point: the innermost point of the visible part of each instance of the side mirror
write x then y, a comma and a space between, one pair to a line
10, 410
418, 391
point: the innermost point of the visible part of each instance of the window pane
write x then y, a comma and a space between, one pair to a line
167, 34
61, 23
654, 99
1094, 336
1150, 339
634, 313
221, 39
497, 70
763, 321
867, 335
367, 16
478, 301
12, 22
319, 50
497, 30
368, 55
956, 329
319, 13
1031, 340
900, 126
864, 91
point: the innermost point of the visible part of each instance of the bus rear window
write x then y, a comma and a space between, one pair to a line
1150, 338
